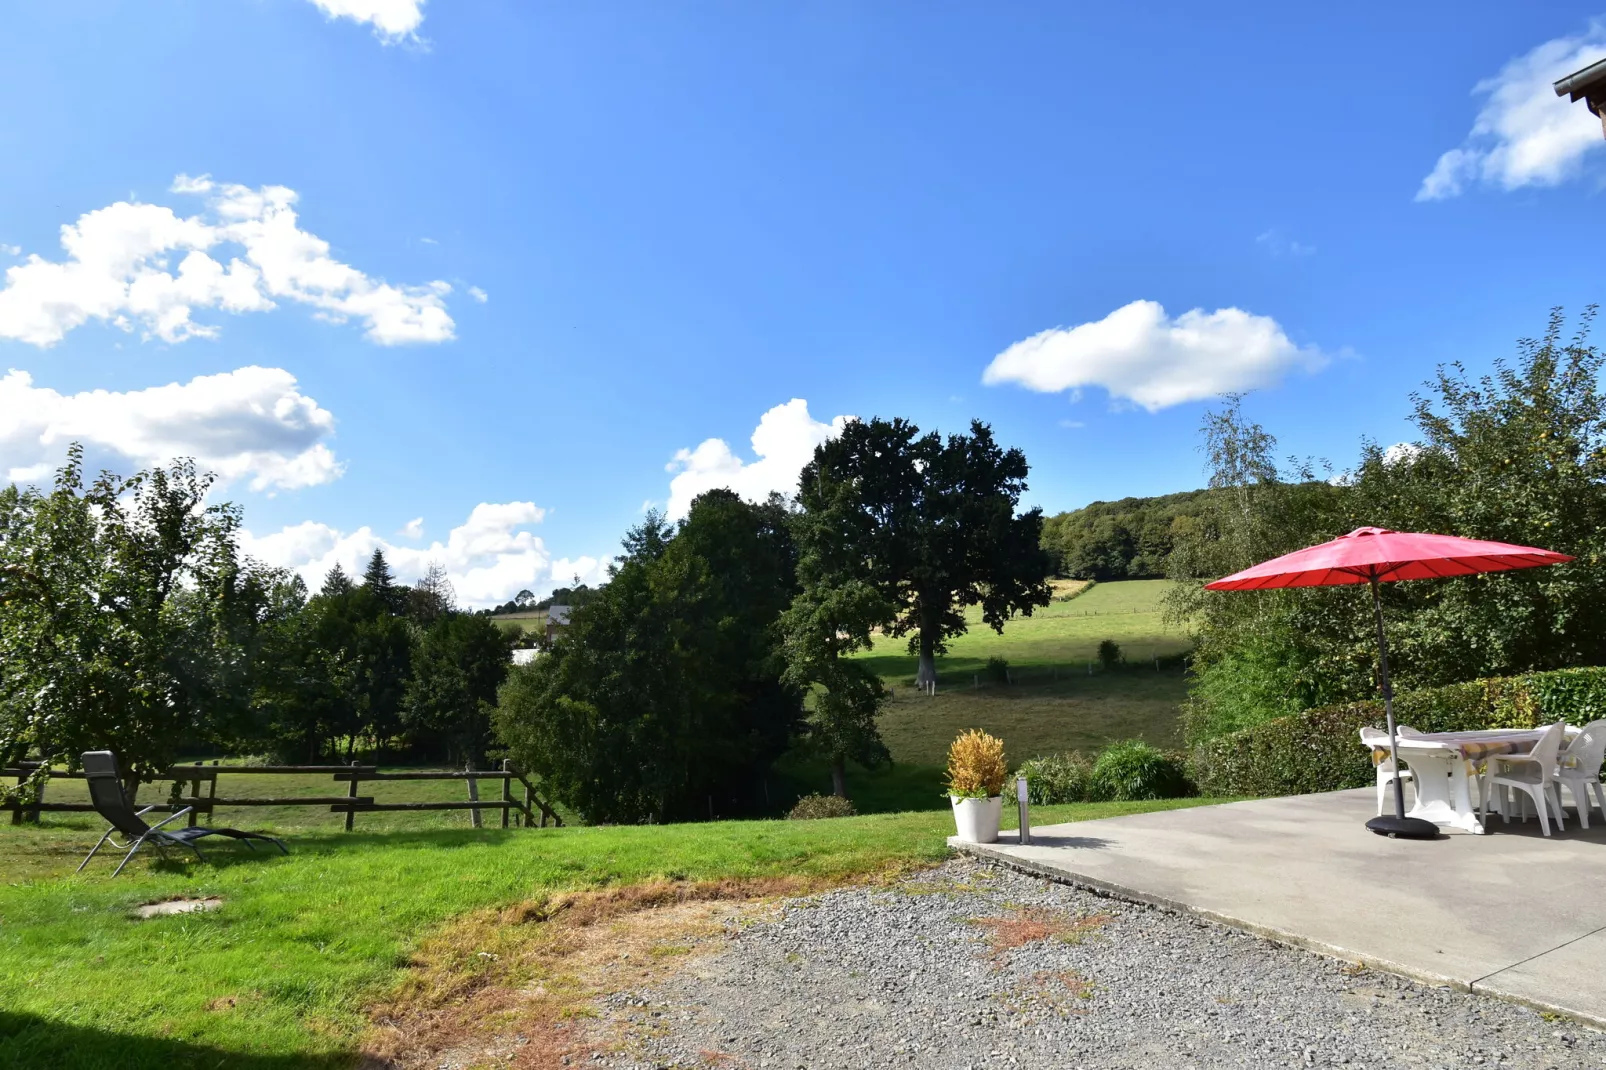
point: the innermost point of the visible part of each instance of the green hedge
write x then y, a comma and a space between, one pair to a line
1320, 749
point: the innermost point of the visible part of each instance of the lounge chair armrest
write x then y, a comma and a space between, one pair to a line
171, 817
1512, 759
146, 809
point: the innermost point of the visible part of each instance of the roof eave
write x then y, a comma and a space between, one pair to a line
1588, 83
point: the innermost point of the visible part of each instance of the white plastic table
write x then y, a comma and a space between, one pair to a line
1438, 762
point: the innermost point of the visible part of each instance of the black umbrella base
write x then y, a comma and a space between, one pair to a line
1405, 828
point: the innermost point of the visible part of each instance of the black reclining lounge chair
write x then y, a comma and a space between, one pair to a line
106, 793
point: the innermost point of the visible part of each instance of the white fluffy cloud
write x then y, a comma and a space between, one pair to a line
783, 442
250, 424
1525, 135
393, 20
120, 269
490, 557
1140, 354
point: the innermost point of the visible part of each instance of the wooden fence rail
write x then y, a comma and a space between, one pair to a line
528, 812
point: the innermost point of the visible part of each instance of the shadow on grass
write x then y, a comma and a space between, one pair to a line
221, 854
895, 788
28, 1041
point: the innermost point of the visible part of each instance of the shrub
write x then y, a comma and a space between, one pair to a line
810, 807
1110, 654
1056, 778
1133, 769
976, 767
998, 670
1320, 749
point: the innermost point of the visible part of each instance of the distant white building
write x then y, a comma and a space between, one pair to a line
524, 657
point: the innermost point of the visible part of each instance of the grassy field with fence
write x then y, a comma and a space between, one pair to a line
1059, 697
256, 789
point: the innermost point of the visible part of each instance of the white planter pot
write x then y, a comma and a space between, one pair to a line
977, 819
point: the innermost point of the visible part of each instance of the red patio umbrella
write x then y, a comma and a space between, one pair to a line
1377, 555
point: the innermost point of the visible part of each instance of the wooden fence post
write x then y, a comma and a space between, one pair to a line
33, 812
195, 793
16, 814
351, 793
473, 794
507, 791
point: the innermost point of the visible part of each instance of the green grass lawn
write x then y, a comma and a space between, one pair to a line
281, 974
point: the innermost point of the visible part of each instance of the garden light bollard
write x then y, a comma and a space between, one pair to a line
1025, 810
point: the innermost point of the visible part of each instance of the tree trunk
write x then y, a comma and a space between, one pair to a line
839, 778
926, 677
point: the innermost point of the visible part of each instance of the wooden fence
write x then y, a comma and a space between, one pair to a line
203, 797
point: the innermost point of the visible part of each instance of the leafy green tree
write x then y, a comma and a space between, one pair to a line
1260, 655
301, 699
126, 616
460, 662
666, 691
930, 523
822, 626
1126, 539
1517, 456
354, 661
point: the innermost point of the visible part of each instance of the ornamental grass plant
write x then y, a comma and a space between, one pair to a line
814, 807
976, 768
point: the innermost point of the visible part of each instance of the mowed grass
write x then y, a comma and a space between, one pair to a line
1061, 635
1061, 699
281, 974
1077, 713
530, 621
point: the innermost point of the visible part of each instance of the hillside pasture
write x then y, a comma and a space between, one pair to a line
1061, 698
532, 621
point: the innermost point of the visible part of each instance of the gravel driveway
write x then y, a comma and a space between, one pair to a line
971, 966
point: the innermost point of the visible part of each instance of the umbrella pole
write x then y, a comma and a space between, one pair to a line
1399, 824
1388, 698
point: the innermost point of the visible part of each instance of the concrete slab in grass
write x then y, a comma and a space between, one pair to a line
1305, 871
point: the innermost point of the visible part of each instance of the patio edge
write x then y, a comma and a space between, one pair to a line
991, 853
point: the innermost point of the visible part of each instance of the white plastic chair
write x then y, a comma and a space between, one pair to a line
1578, 768
1386, 770
1534, 773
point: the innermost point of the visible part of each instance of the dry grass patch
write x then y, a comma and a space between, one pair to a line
513, 987
1030, 925
1058, 993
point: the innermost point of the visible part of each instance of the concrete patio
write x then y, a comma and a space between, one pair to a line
1509, 913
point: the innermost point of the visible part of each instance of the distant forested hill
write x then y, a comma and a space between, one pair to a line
1128, 539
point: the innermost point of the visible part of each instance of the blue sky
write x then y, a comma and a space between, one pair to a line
476, 281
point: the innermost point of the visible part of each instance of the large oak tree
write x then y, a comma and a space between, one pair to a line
931, 523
